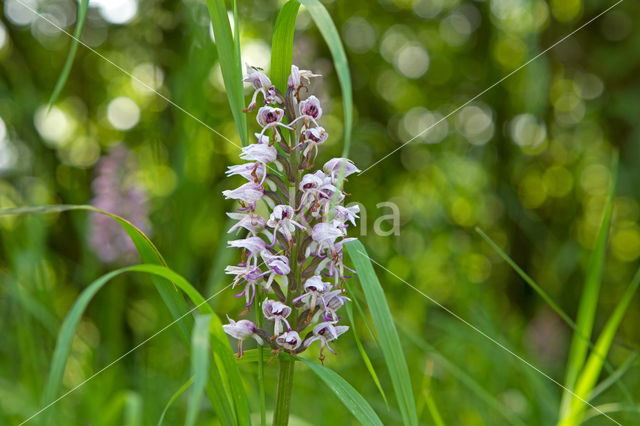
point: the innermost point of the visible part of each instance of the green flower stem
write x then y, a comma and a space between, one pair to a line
283, 393
261, 391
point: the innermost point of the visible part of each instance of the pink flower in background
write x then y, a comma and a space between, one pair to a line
116, 191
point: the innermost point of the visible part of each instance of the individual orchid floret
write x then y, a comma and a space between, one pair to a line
278, 312
262, 84
310, 111
253, 245
337, 166
333, 301
347, 214
252, 222
314, 288
242, 330
253, 172
325, 235
281, 220
325, 332
290, 340
299, 79
249, 194
270, 118
278, 266
317, 187
260, 152
312, 138
248, 274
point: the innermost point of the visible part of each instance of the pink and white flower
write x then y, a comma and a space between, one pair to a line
278, 266
242, 330
260, 152
278, 312
337, 166
326, 332
262, 84
290, 340
253, 172
249, 193
281, 220
252, 222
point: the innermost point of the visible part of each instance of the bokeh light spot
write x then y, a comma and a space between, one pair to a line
123, 113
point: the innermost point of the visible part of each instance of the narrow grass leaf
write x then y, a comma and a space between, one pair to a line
614, 377
352, 400
610, 408
226, 360
133, 409
363, 354
65, 337
146, 249
199, 366
565, 317
230, 62
462, 376
173, 399
388, 335
589, 298
593, 366
83, 6
331, 36
282, 44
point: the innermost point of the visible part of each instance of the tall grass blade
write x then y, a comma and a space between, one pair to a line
365, 357
146, 249
173, 399
227, 365
352, 400
230, 62
199, 366
331, 36
83, 6
565, 317
589, 298
545, 296
282, 44
388, 335
613, 407
65, 337
132, 409
614, 377
593, 366
463, 377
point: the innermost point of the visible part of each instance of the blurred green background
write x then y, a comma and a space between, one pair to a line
528, 162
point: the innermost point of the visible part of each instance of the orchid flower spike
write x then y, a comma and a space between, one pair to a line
292, 223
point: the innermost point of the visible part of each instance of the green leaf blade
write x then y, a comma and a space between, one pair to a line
282, 44
589, 299
199, 366
329, 32
593, 366
352, 400
388, 335
83, 6
230, 62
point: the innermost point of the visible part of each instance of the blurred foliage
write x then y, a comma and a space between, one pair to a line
527, 162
